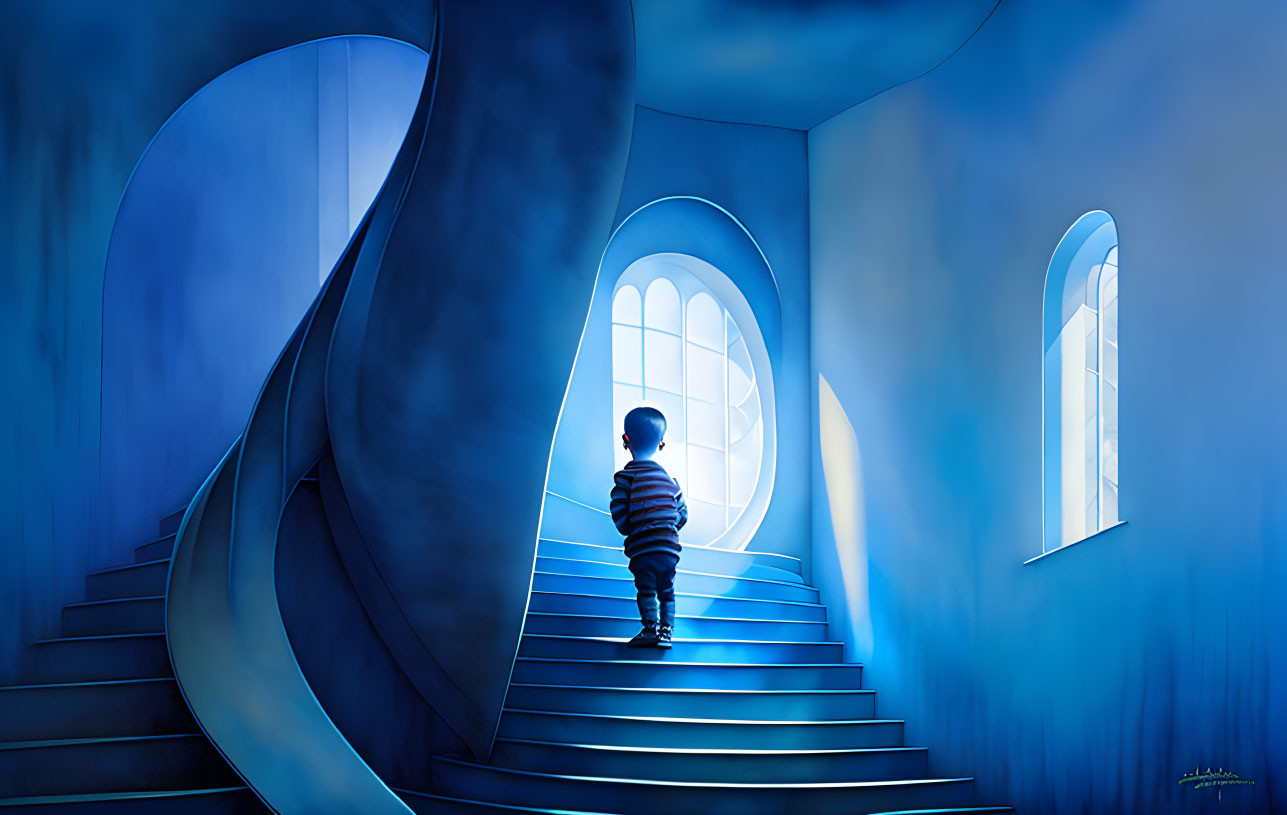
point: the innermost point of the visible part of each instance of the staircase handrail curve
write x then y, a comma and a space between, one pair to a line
228, 645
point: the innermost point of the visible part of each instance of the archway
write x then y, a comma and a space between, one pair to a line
712, 251
236, 211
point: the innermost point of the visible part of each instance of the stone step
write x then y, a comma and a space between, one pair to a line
680, 733
146, 579
744, 766
686, 650
640, 797
131, 615
129, 707
630, 673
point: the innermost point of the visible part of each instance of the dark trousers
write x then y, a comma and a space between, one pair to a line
655, 574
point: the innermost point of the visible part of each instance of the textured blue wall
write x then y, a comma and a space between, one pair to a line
82, 91
759, 174
1091, 680
250, 188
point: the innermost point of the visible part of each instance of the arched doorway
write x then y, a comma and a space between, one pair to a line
236, 211
716, 308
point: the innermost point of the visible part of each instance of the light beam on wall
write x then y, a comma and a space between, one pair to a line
842, 473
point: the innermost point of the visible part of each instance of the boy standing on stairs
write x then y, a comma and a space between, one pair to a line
648, 508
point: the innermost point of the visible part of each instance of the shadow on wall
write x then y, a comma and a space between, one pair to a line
841, 572
239, 206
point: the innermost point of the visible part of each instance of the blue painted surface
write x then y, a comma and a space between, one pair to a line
1093, 679
248, 189
1087, 681
741, 716
84, 90
582, 460
789, 63
443, 383
757, 174
341, 654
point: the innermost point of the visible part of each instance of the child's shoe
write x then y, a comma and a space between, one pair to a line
666, 625
650, 634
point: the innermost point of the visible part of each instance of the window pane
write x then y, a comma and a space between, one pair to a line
626, 306
1091, 437
705, 522
739, 424
731, 327
661, 306
1090, 402
686, 358
663, 361
744, 466
1109, 497
740, 378
706, 475
1109, 321
1109, 441
675, 459
627, 355
1092, 342
705, 374
1110, 363
706, 424
1110, 285
705, 322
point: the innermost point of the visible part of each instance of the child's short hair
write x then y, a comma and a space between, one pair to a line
645, 427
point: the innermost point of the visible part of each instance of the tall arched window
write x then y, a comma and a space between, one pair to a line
1081, 383
676, 347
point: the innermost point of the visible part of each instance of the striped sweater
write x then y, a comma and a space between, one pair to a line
648, 508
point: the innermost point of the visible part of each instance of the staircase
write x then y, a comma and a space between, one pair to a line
752, 711
99, 727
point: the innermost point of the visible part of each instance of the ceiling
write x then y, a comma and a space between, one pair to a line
789, 63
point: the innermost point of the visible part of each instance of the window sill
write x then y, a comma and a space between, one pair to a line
1074, 543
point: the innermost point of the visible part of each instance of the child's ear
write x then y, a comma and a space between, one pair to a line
625, 441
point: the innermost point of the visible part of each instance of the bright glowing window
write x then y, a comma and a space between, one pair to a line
683, 353
1081, 383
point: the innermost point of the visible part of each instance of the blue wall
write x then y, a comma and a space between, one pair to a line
759, 175
82, 92
1093, 679
241, 201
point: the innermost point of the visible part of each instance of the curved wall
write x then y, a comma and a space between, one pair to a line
84, 93
1094, 678
242, 202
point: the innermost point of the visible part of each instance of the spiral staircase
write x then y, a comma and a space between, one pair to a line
752, 711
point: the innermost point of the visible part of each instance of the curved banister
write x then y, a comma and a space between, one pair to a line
498, 202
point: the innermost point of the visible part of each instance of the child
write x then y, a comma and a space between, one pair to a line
648, 508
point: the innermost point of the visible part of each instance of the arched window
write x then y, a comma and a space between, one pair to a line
676, 347
1081, 383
